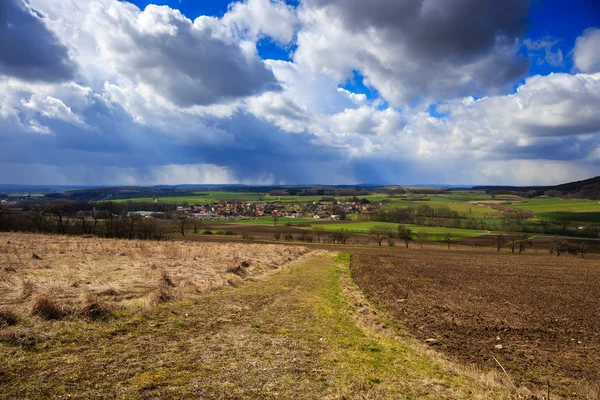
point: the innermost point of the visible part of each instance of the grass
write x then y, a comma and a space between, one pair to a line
298, 333
435, 233
89, 277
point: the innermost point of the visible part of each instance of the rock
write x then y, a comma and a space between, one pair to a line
498, 347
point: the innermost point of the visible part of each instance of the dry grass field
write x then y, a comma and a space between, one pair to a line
537, 315
53, 277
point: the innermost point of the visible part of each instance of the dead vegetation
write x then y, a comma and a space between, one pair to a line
51, 277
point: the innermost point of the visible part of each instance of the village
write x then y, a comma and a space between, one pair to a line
240, 211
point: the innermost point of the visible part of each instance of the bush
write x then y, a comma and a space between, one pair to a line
207, 232
277, 236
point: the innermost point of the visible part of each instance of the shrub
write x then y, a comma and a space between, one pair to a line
277, 236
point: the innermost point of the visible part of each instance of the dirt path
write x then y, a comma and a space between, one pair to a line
301, 333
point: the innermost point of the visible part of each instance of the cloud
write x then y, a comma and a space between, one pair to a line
28, 50
160, 98
415, 49
51, 107
545, 46
586, 55
253, 19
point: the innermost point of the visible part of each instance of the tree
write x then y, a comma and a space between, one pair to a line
339, 237
559, 246
422, 237
182, 219
275, 219
380, 233
582, 248
523, 242
447, 238
319, 230
62, 213
500, 241
405, 234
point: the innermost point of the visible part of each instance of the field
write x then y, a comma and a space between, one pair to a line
435, 233
300, 330
536, 315
563, 209
123, 274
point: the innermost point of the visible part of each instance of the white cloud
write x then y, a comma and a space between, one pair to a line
51, 107
586, 54
253, 19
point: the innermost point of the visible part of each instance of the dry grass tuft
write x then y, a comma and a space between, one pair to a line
25, 289
45, 306
22, 336
9, 269
7, 317
160, 295
165, 279
92, 307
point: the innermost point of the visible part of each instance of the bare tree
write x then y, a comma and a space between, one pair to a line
62, 213
560, 246
275, 219
582, 249
500, 241
319, 231
405, 234
523, 242
182, 220
422, 237
447, 238
380, 233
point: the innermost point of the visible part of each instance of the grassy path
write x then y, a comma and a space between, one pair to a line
301, 333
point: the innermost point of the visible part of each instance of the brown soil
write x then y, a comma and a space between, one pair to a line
537, 314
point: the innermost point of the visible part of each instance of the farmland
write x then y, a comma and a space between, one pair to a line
537, 315
286, 324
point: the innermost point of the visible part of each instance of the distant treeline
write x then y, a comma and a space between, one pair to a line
108, 220
342, 192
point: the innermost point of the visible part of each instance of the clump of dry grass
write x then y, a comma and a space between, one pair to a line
92, 307
7, 317
161, 294
22, 336
45, 306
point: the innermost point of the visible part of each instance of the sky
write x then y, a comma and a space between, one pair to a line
268, 92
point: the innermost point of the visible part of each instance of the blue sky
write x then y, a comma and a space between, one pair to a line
310, 91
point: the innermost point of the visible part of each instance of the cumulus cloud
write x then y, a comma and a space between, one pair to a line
28, 49
415, 49
254, 19
586, 54
160, 98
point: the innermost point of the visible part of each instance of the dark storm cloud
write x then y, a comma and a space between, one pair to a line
426, 49
28, 50
437, 28
185, 62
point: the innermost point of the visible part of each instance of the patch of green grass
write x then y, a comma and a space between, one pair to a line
435, 233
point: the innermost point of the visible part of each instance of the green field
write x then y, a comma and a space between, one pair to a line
435, 233
554, 208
